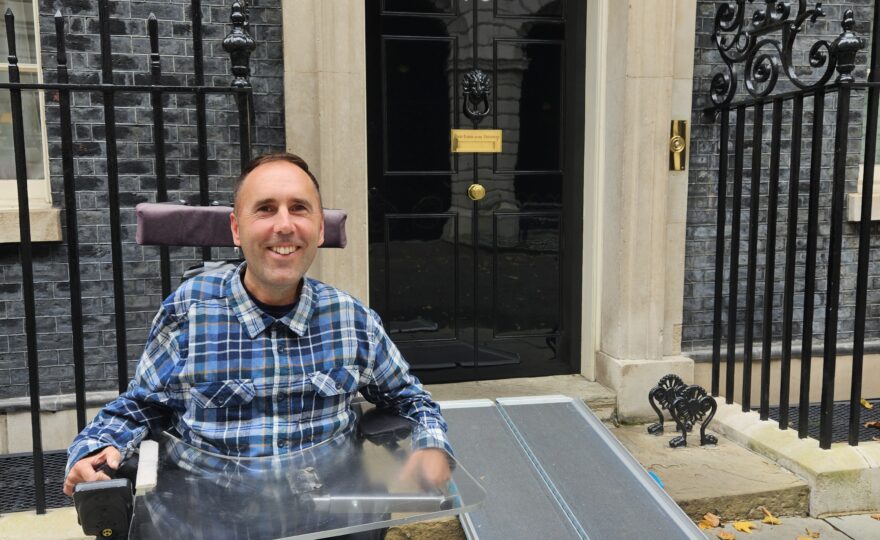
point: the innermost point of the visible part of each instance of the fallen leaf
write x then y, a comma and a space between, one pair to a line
874, 424
811, 534
724, 535
709, 521
875, 516
743, 526
866, 404
802, 537
769, 518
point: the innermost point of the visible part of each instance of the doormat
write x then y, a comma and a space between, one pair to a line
17, 482
840, 422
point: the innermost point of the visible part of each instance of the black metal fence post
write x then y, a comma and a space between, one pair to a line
770, 258
734, 252
719, 251
70, 205
109, 97
752, 261
865, 234
810, 264
201, 113
159, 142
27, 264
797, 118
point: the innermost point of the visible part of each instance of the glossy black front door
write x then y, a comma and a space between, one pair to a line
476, 289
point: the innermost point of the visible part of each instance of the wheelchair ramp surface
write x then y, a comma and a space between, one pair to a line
552, 470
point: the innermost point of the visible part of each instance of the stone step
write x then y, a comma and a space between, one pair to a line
596, 396
725, 479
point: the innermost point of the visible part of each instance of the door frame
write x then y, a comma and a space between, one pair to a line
325, 100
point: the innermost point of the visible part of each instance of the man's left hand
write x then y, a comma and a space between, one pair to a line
428, 467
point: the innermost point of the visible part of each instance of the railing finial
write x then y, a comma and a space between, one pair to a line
239, 44
845, 47
10, 36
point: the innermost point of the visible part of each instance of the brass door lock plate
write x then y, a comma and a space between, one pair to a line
678, 145
476, 192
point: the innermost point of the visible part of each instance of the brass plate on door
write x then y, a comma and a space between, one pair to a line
482, 141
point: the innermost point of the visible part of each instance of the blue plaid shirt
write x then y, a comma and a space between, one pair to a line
232, 379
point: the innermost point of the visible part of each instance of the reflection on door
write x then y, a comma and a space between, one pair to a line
468, 289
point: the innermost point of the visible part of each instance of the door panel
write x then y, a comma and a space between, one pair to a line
471, 289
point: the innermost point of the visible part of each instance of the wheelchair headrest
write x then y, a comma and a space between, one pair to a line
173, 224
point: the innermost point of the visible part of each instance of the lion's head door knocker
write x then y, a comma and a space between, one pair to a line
476, 87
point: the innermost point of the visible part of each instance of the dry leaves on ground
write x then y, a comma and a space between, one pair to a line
874, 424
709, 521
866, 404
875, 516
811, 534
744, 526
769, 518
724, 535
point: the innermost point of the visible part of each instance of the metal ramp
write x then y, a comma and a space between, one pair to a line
552, 470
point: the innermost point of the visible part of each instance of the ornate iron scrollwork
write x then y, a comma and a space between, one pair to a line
691, 406
764, 57
664, 394
476, 86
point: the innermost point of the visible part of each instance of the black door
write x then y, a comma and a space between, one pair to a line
488, 288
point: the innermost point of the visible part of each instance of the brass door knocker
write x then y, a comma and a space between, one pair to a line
476, 87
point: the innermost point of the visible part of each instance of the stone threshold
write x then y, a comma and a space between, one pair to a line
842, 479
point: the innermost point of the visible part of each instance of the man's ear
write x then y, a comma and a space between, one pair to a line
321, 233
233, 225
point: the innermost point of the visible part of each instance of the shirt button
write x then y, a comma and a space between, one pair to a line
282, 444
281, 397
281, 348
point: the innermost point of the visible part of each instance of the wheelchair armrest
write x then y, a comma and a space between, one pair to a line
104, 507
383, 427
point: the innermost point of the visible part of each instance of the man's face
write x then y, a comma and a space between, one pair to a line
278, 224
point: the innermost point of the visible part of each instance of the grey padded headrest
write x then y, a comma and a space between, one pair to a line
173, 224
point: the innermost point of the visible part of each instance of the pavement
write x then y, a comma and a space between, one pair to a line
725, 479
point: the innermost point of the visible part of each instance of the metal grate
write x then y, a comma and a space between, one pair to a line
840, 422
17, 481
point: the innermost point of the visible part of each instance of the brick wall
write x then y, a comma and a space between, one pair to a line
137, 180
702, 192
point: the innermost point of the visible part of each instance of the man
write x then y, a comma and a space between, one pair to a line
262, 360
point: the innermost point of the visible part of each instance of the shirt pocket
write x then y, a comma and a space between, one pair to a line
332, 393
335, 382
223, 394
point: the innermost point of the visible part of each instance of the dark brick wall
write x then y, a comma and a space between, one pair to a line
702, 193
137, 181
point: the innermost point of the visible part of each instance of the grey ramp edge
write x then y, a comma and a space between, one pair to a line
518, 504
607, 490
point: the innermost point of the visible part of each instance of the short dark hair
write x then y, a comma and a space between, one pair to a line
293, 159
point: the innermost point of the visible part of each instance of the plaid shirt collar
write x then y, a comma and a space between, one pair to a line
254, 320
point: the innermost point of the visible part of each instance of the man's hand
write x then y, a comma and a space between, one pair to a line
428, 467
86, 469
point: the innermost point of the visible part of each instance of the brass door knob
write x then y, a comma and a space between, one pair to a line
476, 192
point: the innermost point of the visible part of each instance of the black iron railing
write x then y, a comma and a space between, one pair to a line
238, 44
749, 42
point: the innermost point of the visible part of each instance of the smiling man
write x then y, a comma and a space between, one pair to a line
263, 360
